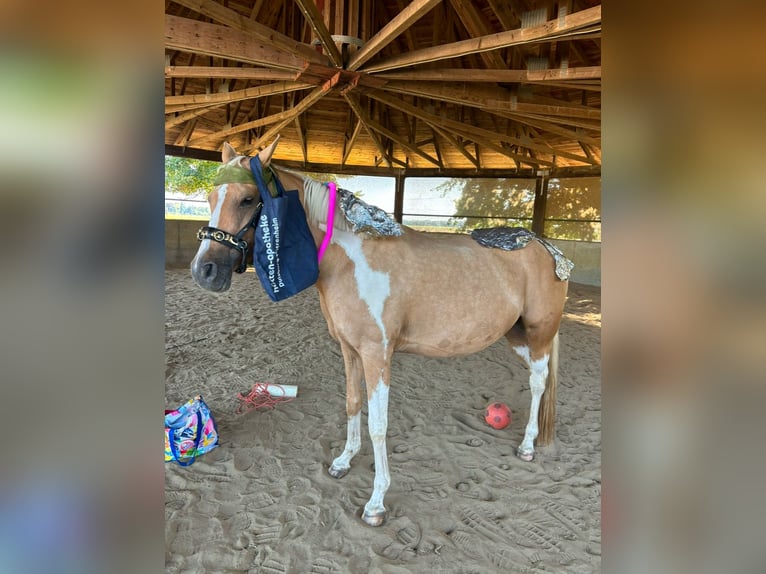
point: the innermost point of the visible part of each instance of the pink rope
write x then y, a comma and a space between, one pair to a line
330, 220
259, 398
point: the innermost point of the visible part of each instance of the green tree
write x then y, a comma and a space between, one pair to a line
495, 202
189, 176
575, 199
486, 202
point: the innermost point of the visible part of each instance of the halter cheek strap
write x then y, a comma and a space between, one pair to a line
330, 220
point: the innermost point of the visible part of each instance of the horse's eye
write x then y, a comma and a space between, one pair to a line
247, 201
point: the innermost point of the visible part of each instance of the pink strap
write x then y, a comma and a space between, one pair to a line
330, 219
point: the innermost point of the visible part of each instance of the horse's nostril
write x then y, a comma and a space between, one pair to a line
209, 270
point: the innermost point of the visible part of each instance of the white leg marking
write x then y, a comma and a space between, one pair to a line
214, 217
523, 352
353, 443
537, 377
377, 421
374, 287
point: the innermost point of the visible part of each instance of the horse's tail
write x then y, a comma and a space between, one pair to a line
546, 420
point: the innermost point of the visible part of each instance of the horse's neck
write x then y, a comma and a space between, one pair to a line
291, 180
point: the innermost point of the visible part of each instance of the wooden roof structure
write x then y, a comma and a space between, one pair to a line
427, 87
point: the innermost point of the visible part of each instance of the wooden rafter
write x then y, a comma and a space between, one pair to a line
222, 41
498, 76
583, 22
237, 21
440, 86
477, 26
290, 115
366, 120
348, 144
228, 72
396, 26
316, 21
486, 138
492, 98
183, 103
282, 118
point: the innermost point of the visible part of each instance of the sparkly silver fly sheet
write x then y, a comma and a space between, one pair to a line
367, 218
512, 238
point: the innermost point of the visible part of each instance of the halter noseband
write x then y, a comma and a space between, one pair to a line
232, 174
232, 241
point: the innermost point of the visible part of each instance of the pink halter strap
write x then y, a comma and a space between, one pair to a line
330, 220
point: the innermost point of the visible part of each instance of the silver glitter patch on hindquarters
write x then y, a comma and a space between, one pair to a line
367, 218
512, 238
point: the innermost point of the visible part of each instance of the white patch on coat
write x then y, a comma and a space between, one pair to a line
523, 352
214, 217
373, 287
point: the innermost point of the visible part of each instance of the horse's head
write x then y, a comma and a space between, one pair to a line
234, 207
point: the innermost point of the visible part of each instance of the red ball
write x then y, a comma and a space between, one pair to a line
498, 415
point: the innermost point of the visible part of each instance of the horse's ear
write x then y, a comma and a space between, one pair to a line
229, 153
265, 154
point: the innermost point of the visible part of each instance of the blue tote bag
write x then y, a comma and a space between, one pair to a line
284, 254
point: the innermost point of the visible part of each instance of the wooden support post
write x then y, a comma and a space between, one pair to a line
541, 197
399, 197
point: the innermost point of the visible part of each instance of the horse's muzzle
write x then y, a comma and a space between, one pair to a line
211, 275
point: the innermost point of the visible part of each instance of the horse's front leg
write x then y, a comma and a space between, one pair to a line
377, 376
353, 364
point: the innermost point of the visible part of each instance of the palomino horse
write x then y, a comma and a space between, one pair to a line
432, 294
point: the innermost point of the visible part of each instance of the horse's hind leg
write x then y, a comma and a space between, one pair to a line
353, 364
534, 347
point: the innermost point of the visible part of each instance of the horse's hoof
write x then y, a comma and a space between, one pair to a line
526, 456
374, 519
337, 472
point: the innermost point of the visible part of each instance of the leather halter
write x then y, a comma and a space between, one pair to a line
232, 241
231, 174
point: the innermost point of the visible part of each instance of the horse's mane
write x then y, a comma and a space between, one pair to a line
315, 199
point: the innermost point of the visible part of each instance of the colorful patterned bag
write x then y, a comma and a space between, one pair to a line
189, 432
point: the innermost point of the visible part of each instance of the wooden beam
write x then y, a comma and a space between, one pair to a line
492, 98
190, 115
504, 13
576, 135
228, 72
215, 155
402, 142
539, 207
286, 117
578, 123
455, 143
484, 137
400, 22
289, 116
315, 20
477, 26
577, 24
496, 76
216, 40
237, 21
348, 145
176, 103
301, 129
399, 198
185, 135
365, 119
